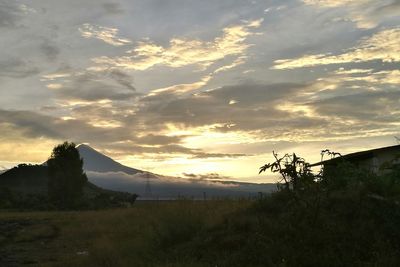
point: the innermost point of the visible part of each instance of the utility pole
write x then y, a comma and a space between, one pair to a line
147, 191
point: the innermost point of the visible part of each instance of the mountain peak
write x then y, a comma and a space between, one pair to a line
84, 146
95, 161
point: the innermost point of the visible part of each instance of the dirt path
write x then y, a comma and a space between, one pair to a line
25, 241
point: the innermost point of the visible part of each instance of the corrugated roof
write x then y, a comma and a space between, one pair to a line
358, 155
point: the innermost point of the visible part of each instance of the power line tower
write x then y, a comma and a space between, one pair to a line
147, 191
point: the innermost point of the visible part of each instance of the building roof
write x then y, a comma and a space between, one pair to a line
357, 155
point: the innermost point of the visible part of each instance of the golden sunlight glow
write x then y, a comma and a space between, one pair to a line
67, 118
359, 11
72, 103
239, 61
16, 147
176, 165
352, 71
334, 3
54, 76
202, 139
105, 123
182, 52
182, 88
391, 77
108, 35
54, 86
297, 108
199, 136
383, 46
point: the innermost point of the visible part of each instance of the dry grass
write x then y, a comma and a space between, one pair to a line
138, 236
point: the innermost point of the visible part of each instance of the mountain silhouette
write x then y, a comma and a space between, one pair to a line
106, 173
97, 162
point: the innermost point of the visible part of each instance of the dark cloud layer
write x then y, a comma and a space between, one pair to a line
10, 13
17, 68
93, 86
113, 8
49, 50
240, 107
375, 106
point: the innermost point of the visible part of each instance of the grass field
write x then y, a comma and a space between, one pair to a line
351, 221
148, 234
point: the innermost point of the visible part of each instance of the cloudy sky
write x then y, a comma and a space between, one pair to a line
188, 86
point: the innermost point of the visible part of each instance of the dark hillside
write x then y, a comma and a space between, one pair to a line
25, 184
32, 179
28, 179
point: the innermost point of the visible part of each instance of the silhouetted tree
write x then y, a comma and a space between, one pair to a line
66, 176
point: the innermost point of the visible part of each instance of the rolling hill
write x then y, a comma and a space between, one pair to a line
33, 179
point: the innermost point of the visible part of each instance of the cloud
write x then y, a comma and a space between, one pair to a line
379, 107
56, 75
334, 3
106, 34
365, 13
135, 146
122, 78
54, 86
388, 77
173, 187
91, 85
113, 8
91, 91
203, 155
17, 68
278, 112
353, 71
49, 50
32, 124
152, 139
10, 13
180, 88
239, 61
125, 138
255, 108
383, 46
183, 51
206, 176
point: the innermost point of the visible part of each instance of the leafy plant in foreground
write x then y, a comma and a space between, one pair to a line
295, 171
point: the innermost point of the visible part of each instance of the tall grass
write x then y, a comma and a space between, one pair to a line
144, 235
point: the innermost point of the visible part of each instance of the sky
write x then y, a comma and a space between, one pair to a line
191, 88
